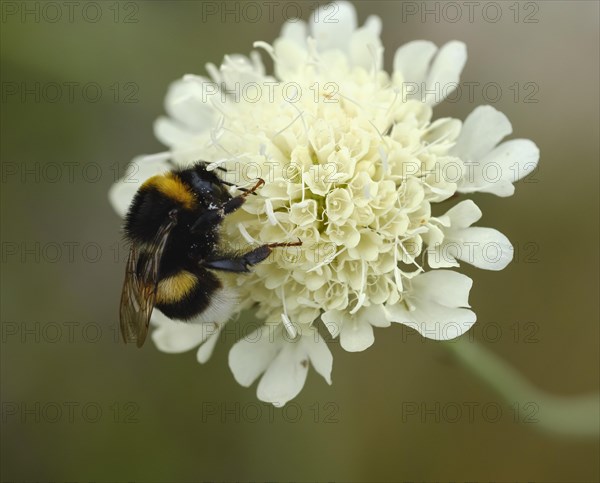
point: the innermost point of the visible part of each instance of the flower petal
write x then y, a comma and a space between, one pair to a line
438, 322
445, 70
502, 188
332, 25
515, 159
446, 287
333, 321
190, 101
238, 70
499, 169
319, 355
464, 214
483, 129
175, 337
285, 376
172, 133
250, 356
206, 349
356, 335
487, 248
375, 315
442, 255
296, 31
365, 45
412, 60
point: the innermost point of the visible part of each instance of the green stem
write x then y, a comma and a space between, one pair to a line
574, 416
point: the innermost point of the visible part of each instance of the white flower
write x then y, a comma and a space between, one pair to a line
353, 162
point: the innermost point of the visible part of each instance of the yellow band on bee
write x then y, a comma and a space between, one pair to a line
175, 288
171, 186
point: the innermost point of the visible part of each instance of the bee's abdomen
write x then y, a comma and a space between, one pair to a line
176, 287
185, 295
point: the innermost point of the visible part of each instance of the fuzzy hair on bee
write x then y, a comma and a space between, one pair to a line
173, 228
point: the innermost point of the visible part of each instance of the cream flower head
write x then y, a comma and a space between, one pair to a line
353, 162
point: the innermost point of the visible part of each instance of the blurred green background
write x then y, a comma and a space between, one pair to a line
148, 416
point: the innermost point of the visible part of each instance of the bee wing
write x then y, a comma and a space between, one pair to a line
139, 289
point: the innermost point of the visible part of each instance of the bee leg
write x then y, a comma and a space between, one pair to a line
237, 265
234, 203
227, 183
211, 217
207, 221
243, 262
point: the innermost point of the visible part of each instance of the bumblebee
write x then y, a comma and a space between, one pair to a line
174, 258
